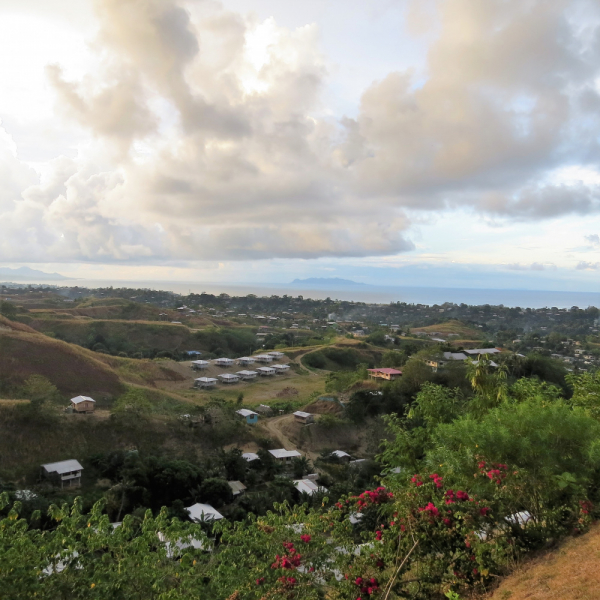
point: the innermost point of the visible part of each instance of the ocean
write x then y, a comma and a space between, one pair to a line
368, 293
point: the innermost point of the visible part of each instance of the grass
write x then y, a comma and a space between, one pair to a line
568, 573
464, 332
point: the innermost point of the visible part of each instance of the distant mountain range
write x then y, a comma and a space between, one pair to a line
334, 282
27, 274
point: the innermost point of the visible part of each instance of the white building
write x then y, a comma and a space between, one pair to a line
265, 371
250, 456
263, 358
198, 365
306, 486
276, 355
247, 375
205, 382
65, 472
229, 378
203, 512
224, 362
280, 369
245, 360
283, 455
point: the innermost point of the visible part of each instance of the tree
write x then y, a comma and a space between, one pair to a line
215, 491
39, 390
133, 403
8, 309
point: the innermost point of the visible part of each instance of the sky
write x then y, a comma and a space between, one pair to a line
445, 143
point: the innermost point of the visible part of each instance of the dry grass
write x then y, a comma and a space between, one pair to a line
458, 327
572, 572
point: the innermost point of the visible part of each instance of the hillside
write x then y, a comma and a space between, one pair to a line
454, 331
568, 573
72, 369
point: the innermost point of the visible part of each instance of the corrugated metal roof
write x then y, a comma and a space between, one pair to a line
250, 456
283, 453
245, 412
302, 414
308, 487
237, 487
64, 466
203, 512
79, 399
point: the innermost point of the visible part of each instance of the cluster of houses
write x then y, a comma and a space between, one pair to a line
243, 375
251, 417
471, 355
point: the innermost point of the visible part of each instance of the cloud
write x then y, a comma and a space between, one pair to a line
531, 267
593, 239
211, 138
587, 266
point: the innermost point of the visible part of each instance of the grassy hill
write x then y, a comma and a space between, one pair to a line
454, 331
568, 573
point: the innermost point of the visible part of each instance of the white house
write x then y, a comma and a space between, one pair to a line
67, 472
263, 358
304, 417
306, 486
205, 382
247, 375
276, 355
83, 404
198, 365
229, 378
265, 371
283, 455
250, 456
343, 456
280, 369
224, 362
245, 360
203, 512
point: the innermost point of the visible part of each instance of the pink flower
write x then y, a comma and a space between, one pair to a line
305, 538
431, 509
484, 511
378, 535
260, 581
358, 581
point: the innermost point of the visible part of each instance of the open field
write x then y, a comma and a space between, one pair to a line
456, 332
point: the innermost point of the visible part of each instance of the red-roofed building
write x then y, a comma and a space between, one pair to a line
387, 374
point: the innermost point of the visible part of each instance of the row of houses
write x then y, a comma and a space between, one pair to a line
251, 417
208, 382
243, 361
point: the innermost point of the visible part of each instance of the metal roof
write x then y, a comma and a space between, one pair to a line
244, 412
302, 414
64, 466
283, 453
309, 487
206, 379
250, 456
79, 399
340, 453
482, 351
200, 362
266, 369
203, 512
246, 373
237, 487
455, 356
228, 376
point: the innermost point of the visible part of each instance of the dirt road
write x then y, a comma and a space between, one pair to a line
273, 426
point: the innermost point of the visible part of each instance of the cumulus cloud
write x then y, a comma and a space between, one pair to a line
593, 239
219, 148
587, 266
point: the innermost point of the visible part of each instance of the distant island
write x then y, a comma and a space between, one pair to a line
328, 281
27, 274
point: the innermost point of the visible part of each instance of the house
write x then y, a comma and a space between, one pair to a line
263, 409
205, 382
304, 417
478, 351
265, 371
247, 375
250, 456
229, 378
276, 355
341, 455
193, 353
385, 373
203, 512
281, 369
263, 358
237, 487
83, 404
306, 486
248, 415
245, 360
224, 362
284, 456
67, 472
455, 356
199, 365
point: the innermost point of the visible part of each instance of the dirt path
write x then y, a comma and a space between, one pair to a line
273, 426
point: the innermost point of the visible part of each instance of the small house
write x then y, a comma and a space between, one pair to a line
304, 417
309, 487
263, 358
237, 487
341, 456
250, 456
193, 353
284, 456
199, 365
266, 371
281, 369
203, 512
229, 378
265, 410
224, 362
66, 472
481, 351
205, 382
385, 373
248, 415
276, 355
247, 375
83, 404
245, 361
